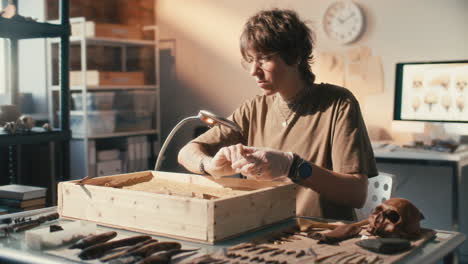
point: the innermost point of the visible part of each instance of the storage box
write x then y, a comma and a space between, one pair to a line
110, 167
187, 206
98, 57
107, 30
95, 100
135, 101
107, 155
107, 78
133, 121
99, 122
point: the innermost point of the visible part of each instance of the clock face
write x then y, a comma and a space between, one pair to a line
343, 21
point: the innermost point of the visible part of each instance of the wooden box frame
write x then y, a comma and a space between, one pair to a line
94, 77
187, 218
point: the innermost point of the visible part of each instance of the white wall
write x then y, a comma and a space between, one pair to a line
208, 57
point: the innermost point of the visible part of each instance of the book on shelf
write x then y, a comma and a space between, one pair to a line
34, 207
3, 211
22, 203
21, 192
9, 210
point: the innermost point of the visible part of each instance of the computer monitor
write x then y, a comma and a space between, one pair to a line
431, 91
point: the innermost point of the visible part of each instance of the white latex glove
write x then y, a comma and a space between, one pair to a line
221, 164
263, 163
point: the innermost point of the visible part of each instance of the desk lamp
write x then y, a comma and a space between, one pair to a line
206, 117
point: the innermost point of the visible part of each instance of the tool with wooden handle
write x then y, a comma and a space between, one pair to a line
306, 224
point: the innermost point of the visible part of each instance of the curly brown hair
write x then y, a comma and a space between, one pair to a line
280, 31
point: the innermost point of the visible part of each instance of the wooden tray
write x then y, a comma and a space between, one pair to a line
183, 206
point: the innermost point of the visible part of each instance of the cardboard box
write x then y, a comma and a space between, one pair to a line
107, 78
183, 206
109, 167
102, 30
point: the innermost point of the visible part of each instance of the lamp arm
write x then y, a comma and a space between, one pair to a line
157, 166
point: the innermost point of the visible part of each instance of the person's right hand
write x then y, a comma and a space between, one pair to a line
220, 164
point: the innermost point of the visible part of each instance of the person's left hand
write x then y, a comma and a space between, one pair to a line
263, 163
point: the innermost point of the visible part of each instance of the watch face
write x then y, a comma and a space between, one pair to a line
304, 170
343, 21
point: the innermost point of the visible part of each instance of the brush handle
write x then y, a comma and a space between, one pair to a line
305, 224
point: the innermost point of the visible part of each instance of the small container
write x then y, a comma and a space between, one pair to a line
96, 101
110, 167
134, 121
8, 113
99, 122
135, 101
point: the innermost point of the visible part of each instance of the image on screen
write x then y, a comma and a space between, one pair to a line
432, 91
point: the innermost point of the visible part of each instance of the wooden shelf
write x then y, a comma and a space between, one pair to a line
31, 29
116, 134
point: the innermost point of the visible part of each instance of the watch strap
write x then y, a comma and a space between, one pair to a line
295, 173
294, 166
201, 166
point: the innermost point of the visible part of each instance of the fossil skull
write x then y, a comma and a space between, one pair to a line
26, 122
396, 217
10, 127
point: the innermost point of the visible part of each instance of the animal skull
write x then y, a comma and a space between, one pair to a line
10, 127
395, 217
26, 122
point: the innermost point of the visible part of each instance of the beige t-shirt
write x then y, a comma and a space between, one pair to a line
327, 129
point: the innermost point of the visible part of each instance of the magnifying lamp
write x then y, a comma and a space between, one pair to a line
206, 117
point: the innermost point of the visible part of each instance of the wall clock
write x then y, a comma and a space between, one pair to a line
344, 21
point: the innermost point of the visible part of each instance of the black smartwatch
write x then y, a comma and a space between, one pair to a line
300, 170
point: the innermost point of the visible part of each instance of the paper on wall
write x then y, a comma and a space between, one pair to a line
330, 67
364, 73
360, 53
357, 70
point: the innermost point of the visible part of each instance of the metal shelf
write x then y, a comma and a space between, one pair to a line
16, 29
31, 29
109, 87
33, 137
75, 40
84, 145
116, 134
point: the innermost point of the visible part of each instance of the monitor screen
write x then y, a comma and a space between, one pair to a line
431, 91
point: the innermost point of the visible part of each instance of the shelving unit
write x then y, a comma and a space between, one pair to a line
109, 87
33, 137
32, 29
86, 142
16, 30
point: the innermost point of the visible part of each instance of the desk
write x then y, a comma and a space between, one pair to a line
436, 182
13, 249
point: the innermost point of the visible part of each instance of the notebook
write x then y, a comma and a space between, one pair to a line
21, 192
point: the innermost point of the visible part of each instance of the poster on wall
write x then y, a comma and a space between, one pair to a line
330, 68
435, 91
355, 69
